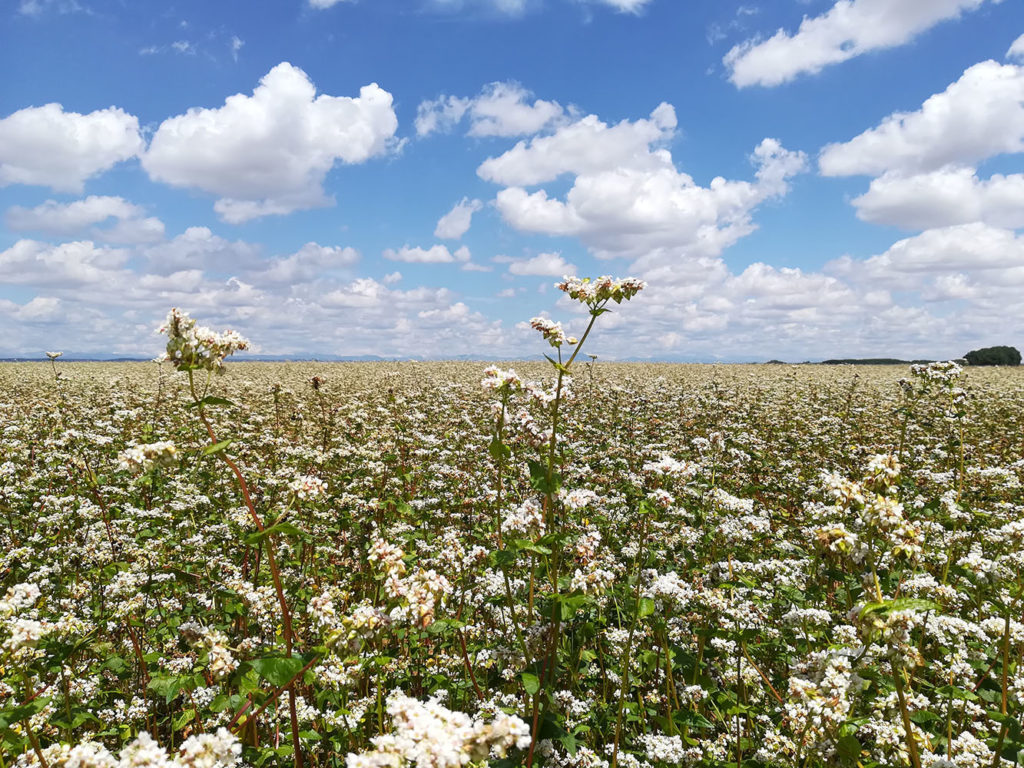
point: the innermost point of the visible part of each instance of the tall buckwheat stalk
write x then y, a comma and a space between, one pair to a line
193, 348
546, 478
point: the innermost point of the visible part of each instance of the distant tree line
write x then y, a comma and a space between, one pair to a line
993, 356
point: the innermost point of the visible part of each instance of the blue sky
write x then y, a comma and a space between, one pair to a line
795, 179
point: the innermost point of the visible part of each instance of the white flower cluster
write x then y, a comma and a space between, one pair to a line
664, 749
142, 458
577, 498
193, 347
552, 331
502, 381
18, 597
419, 593
601, 289
428, 735
20, 626
592, 581
207, 750
527, 518
945, 372
220, 660
307, 487
666, 465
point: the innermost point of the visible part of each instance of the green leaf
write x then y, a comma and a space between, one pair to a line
278, 670
645, 607
9, 717
168, 687
503, 558
498, 450
183, 719
530, 682
570, 604
529, 546
283, 528
218, 447
539, 478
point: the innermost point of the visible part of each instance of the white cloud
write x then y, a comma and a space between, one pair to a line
296, 304
942, 198
440, 114
1016, 50
501, 109
74, 264
236, 46
624, 6
979, 116
47, 146
543, 264
990, 254
80, 217
269, 153
321, 4
585, 146
627, 197
516, 8
849, 29
437, 254
456, 222
199, 248
310, 262
38, 7
504, 7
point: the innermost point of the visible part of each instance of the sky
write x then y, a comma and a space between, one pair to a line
794, 179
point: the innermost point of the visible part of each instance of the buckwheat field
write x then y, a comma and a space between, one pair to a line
574, 563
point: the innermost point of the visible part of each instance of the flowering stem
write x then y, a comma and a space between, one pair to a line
627, 651
271, 561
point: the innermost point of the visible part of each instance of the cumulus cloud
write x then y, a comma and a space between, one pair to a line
46, 146
627, 197
199, 248
81, 217
454, 224
73, 264
310, 262
945, 197
437, 254
269, 153
979, 116
849, 29
501, 109
302, 304
990, 254
41, 309
544, 265
585, 146
1016, 50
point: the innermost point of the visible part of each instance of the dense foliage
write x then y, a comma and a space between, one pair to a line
993, 356
583, 565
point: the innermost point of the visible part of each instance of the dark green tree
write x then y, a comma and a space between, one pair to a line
993, 356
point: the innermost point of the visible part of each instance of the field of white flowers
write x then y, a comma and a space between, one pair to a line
578, 564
